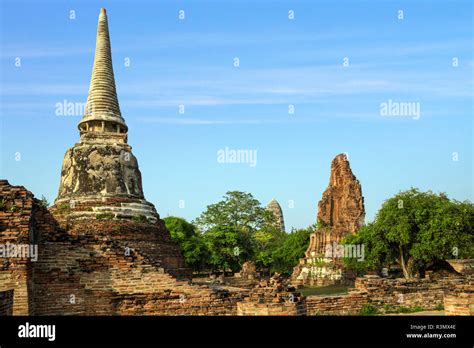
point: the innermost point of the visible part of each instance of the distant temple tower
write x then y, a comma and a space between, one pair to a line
100, 173
275, 208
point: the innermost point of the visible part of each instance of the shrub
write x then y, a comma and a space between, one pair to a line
368, 309
64, 206
43, 203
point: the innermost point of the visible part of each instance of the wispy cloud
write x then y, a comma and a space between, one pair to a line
46, 50
191, 121
42, 89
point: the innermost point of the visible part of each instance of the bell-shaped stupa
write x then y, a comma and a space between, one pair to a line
100, 175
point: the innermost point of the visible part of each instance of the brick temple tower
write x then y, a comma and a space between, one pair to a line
100, 173
341, 212
275, 208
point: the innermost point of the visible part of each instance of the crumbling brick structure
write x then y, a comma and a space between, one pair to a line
96, 267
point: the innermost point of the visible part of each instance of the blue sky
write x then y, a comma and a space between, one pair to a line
282, 62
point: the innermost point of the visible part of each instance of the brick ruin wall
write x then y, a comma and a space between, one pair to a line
349, 304
274, 297
274, 309
460, 301
379, 292
15, 226
83, 269
97, 267
6, 302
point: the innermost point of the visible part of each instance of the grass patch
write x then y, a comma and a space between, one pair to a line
389, 309
368, 309
139, 218
324, 290
105, 216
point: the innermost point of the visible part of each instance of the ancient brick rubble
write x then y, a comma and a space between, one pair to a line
272, 297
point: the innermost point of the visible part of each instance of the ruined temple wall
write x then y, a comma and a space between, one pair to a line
349, 304
101, 280
96, 267
459, 302
6, 302
426, 293
395, 293
15, 227
112, 267
274, 309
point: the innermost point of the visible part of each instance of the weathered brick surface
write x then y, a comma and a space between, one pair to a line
341, 212
380, 292
272, 297
460, 301
6, 302
349, 304
426, 293
16, 228
122, 267
463, 266
98, 267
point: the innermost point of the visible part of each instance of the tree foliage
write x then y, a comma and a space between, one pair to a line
287, 255
227, 247
239, 222
414, 229
192, 244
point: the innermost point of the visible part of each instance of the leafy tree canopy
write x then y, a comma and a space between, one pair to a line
238, 210
228, 248
239, 221
288, 254
185, 234
415, 229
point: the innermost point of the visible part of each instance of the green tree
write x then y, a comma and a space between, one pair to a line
265, 242
293, 247
238, 210
185, 234
415, 229
239, 220
227, 248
